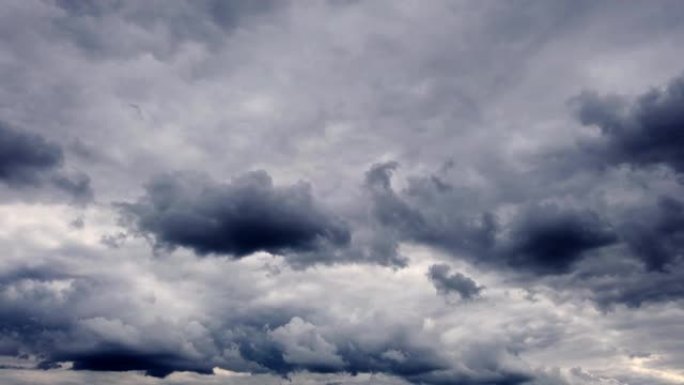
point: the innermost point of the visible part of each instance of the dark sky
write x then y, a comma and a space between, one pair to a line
341, 192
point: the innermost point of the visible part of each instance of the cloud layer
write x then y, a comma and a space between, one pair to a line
236, 219
341, 192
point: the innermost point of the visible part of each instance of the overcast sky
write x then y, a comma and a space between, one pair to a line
341, 192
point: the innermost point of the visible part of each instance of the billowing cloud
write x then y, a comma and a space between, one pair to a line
547, 239
523, 159
27, 159
544, 239
248, 215
25, 156
54, 318
429, 211
646, 131
657, 234
446, 283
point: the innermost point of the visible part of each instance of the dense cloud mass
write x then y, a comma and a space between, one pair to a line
548, 240
657, 235
544, 239
448, 192
25, 156
446, 283
240, 218
27, 159
644, 132
430, 212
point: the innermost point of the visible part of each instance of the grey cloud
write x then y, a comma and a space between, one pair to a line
317, 92
548, 239
543, 239
75, 184
656, 235
59, 317
646, 131
302, 345
249, 214
29, 160
117, 358
397, 352
429, 211
446, 283
56, 317
636, 288
26, 157
93, 26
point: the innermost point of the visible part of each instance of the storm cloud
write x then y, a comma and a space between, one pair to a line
544, 239
657, 235
641, 132
547, 239
27, 159
446, 283
249, 214
25, 156
341, 192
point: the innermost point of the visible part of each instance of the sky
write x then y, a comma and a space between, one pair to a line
341, 192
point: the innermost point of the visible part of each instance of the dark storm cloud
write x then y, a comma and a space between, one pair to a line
565, 244
647, 131
249, 214
657, 235
43, 334
53, 324
320, 91
654, 235
27, 159
543, 239
548, 240
446, 283
42, 320
31, 310
117, 359
551, 242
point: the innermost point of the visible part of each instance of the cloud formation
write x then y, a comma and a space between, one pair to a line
446, 283
27, 159
524, 159
245, 216
547, 239
642, 132
25, 156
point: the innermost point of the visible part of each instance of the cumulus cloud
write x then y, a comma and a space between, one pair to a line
26, 156
245, 216
543, 239
303, 345
446, 283
28, 159
429, 211
56, 318
548, 239
565, 240
440, 155
642, 132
